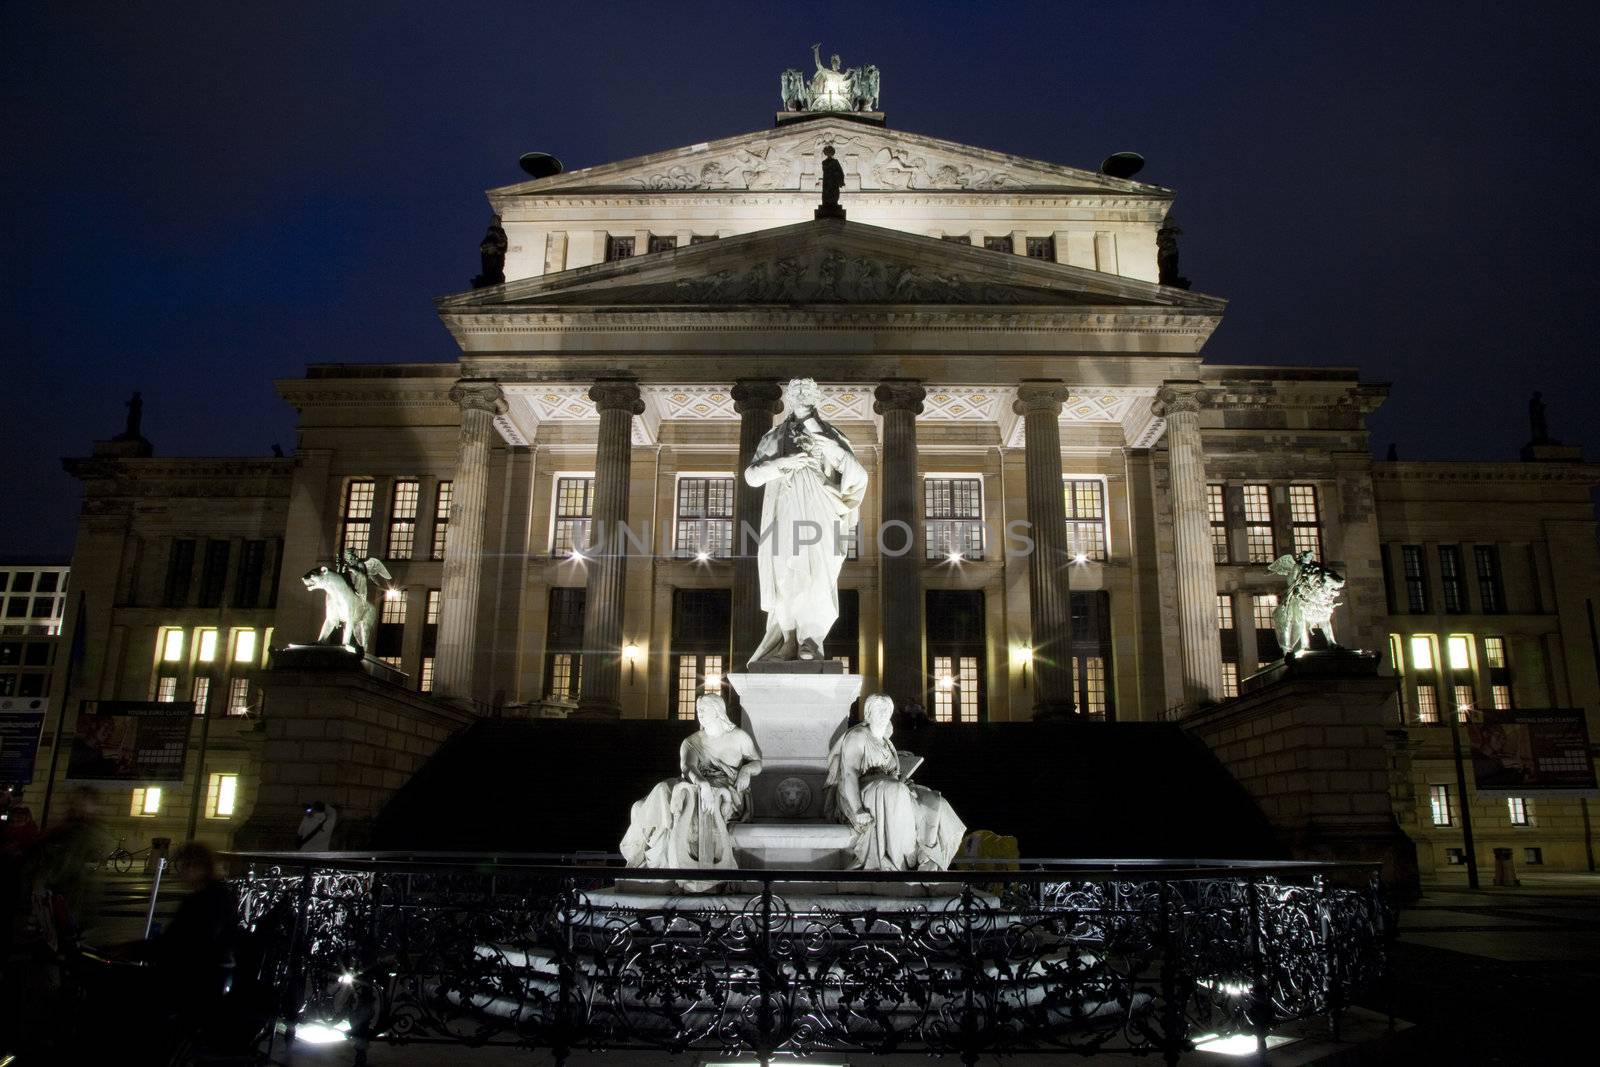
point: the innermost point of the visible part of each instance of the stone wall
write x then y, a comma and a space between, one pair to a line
1312, 749
337, 733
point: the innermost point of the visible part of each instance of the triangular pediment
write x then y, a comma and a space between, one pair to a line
829, 262
789, 158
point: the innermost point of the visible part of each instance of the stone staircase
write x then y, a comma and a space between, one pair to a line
1086, 790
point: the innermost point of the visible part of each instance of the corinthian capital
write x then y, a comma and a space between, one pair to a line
899, 394
479, 395
1180, 398
1040, 398
617, 394
761, 396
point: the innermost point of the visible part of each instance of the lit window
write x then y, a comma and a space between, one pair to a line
1416, 579
1089, 682
441, 516
1500, 697
705, 517
356, 531
952, 510
1217, 508
574, 507
244, 646
389, 661
202, 694
1258, 523
1494, 652
1396, 660
1224, 611
172, 645
146, 801
696, 674
205, 642
393, 612
1086, 517
564, 677
1305, 524
1422, 653
166, 690
1517, 809
1460, 649
1230, 679
955, 689
1427, 704
1262, 605
239, 696
403, 518
431, 616
221, 795
1464, 700
425, 679
1439, 804
1451, 578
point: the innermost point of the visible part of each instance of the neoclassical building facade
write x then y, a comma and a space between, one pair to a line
1070, 511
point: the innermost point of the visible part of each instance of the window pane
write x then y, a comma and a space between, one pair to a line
403, 519
1085, 500
953, 510
1042, 248
441, 517
1258, 523
1218, 511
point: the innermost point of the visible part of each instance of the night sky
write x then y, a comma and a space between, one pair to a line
201, 197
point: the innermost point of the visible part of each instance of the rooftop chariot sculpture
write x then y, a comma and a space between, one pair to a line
829, 88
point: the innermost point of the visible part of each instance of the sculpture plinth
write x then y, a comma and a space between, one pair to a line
794, 719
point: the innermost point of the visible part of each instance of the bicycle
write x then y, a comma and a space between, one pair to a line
120, 859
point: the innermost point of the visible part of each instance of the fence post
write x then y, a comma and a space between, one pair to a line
1260, 990
764, 983
1330, 954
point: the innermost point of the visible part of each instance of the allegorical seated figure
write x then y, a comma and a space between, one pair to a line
685, 821
899, 826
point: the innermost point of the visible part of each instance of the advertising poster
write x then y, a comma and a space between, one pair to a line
21, 721
129, 741
1543, 751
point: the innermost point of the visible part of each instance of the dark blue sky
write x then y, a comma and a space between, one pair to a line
200, 197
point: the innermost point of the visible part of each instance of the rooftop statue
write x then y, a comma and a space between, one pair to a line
345, 606
813, 488
685, 821
1308, 602
830, 88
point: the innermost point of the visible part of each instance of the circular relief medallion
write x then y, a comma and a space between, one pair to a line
793, 796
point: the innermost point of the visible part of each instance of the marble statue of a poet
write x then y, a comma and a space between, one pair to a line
813, 488
899, 826
685, 821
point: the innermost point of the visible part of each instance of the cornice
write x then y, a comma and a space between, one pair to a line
469, 321
178, 468
305, 393
1471, 471
517, 207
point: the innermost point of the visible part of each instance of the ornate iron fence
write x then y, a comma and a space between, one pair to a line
1074, 957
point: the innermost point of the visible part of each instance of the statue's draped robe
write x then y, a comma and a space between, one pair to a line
913, 827
684, 822
799, 581
831, 90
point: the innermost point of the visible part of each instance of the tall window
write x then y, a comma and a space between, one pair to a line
662, 242
705, 518
202, 694
1305, 524
701, 624
1091, 655
239, 696
1225, 611
1416, 575
1439, 803
952, 510
1229, 641
1427, 703
403, 518
356, 534
1002, 243
1230, 679
1490, 592
1262, 605
252, 568
180, 572
388, 639
564, 643
1258, 523
574, 506
441, 516
1086, 517
1517, 810
1217, 508
167, 689
214, 573
1499, 666
425, 676
222, 795
955, 626
430, 640
618, 248
1042, 248
1452, 579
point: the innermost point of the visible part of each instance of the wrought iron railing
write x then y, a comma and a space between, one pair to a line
565, 954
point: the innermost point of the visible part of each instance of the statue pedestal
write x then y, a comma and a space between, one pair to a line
810, 846
794, 720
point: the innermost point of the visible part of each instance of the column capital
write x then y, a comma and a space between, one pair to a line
899, 394
617, 394
1180, 398
1040, 398
479, 395
762, 396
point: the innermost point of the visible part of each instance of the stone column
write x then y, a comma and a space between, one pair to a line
462, 576
1179, 403
617, 400
899, 401
1049, 566
756, 400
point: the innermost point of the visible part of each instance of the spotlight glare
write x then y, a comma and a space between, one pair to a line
1081, 557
